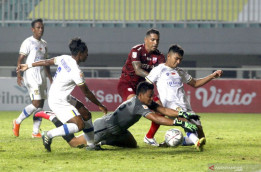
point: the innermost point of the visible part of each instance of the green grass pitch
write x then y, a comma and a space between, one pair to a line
232, 139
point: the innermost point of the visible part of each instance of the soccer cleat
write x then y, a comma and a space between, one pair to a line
47, 141
38, 135
151, 141
16, 128
94, 148
200, 144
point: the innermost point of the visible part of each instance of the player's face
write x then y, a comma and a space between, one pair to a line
151, 42
173, 60
38, 30
83, 56
147, 97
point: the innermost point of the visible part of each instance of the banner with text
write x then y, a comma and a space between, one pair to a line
218, 96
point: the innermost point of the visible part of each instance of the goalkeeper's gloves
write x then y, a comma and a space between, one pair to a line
188, 127
188, 115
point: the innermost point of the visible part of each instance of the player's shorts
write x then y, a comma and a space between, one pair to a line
64, 110
102, 132
37, 92
125, 89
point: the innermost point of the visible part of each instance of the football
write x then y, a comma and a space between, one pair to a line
173, 137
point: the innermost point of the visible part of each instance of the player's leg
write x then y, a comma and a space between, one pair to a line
193, 138
149, 137
70, 138
28, 110
123, 140
37, 121
71, 119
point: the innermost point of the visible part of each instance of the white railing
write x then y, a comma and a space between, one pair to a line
126, 12
115, 72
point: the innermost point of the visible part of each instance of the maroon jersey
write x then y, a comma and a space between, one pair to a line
148, 61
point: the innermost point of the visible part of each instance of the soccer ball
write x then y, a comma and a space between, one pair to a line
173, 137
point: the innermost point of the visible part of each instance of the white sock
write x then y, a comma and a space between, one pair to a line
28, 110
37, 121
63, 130
190, 139
89, 132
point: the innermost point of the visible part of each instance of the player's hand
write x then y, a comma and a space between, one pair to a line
21, 67
188, 115
188, 127
217, 73
20, 80
103, 109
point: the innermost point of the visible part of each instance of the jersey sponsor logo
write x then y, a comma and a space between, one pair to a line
145, 106
134, 55
67, 68
174, 83
130, 89
167, 74
154, 60
173, 73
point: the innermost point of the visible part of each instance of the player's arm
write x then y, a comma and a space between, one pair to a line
202, 81
92, 98
19, 76
138, 70
161, 120
24, 67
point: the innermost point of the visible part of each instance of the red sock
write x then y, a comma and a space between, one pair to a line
42, 114
153, 129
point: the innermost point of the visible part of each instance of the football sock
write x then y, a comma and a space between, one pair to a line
58, 123
28, 110
63, 130
89, 132
37, 121
190, 139
153, 129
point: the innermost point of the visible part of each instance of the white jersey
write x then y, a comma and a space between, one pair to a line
67, 76
35, 50
169, 83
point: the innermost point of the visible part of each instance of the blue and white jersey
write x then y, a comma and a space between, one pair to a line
67, 76
169, 83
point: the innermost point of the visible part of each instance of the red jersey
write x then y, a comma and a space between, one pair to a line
148, 61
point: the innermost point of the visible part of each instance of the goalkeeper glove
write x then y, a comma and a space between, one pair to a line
188, 127
188, 115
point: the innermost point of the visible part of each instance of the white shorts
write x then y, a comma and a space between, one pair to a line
37, 92
64, 110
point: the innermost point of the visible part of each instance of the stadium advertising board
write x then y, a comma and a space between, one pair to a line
227, 96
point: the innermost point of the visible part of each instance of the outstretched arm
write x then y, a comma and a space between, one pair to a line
92, 98
24, 67
202, 81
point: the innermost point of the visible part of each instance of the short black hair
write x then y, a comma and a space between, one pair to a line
143, 87
77, 45
36, 21
152, 31
176, 49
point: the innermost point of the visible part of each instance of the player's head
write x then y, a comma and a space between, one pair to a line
37, 28
145, 92
78, 49
151, 40
175, 56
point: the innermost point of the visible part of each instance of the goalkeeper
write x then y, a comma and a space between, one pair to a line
112, 129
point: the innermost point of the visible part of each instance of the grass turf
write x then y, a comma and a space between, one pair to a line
232, 139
